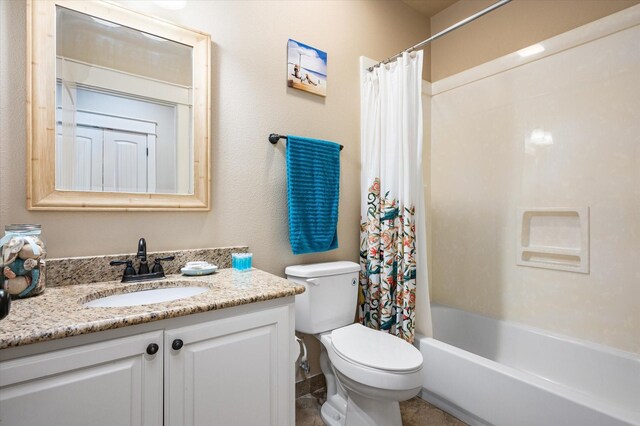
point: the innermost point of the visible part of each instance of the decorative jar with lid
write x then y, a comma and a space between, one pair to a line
22, 260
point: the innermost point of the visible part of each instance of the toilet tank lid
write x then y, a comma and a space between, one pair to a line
321, 269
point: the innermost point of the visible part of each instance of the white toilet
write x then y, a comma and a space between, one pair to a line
368, 372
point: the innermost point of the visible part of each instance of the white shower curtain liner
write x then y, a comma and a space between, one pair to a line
392, 185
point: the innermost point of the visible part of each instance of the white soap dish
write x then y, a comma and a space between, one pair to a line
199, 268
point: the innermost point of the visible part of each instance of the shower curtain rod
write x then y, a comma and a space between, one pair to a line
443, 32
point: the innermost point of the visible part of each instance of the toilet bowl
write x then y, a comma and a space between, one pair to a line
373, 381
368, 372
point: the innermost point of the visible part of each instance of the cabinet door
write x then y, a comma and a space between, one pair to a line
108, 383
233, 371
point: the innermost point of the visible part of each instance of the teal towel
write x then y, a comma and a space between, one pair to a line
313, 187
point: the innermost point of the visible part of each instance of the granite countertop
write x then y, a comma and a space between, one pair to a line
58, 312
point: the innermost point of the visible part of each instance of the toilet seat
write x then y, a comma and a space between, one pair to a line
375, 349
401, 375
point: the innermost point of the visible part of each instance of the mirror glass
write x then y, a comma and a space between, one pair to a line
124, 108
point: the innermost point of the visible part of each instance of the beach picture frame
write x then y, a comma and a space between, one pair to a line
306, 68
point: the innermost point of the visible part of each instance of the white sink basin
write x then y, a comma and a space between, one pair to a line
145, 297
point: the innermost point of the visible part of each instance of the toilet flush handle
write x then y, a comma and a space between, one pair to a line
313, 281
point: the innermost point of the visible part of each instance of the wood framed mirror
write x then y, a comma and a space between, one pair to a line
118, 110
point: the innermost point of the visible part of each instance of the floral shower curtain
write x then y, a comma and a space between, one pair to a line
392, 226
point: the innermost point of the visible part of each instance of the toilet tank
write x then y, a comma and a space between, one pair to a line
330, 297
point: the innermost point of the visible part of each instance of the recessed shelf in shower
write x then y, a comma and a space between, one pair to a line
554, 238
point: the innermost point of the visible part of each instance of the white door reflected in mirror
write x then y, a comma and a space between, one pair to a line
124, 101
100, 158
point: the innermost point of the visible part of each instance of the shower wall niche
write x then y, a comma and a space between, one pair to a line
535, 172
554, 238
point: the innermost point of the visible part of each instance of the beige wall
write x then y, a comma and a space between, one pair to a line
514, 26
486, 165
250, 100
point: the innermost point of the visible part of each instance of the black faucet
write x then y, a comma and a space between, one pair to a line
142, 255
143, 273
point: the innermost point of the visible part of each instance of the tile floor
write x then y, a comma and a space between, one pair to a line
415, 412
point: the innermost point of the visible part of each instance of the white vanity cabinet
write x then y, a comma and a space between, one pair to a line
107, 383
229, 372
229, 367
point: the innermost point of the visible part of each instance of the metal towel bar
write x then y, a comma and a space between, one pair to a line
274, 138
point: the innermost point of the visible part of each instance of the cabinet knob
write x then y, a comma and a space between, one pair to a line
177, 344
152, 349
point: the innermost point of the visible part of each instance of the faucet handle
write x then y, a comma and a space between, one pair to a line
157, 266
162, 259
128, 270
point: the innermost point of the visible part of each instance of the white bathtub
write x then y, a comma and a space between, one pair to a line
486, 371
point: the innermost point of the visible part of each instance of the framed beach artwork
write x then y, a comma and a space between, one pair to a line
306, 68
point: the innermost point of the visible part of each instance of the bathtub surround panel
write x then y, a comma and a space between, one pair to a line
586, 97
486, 371
94, 269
